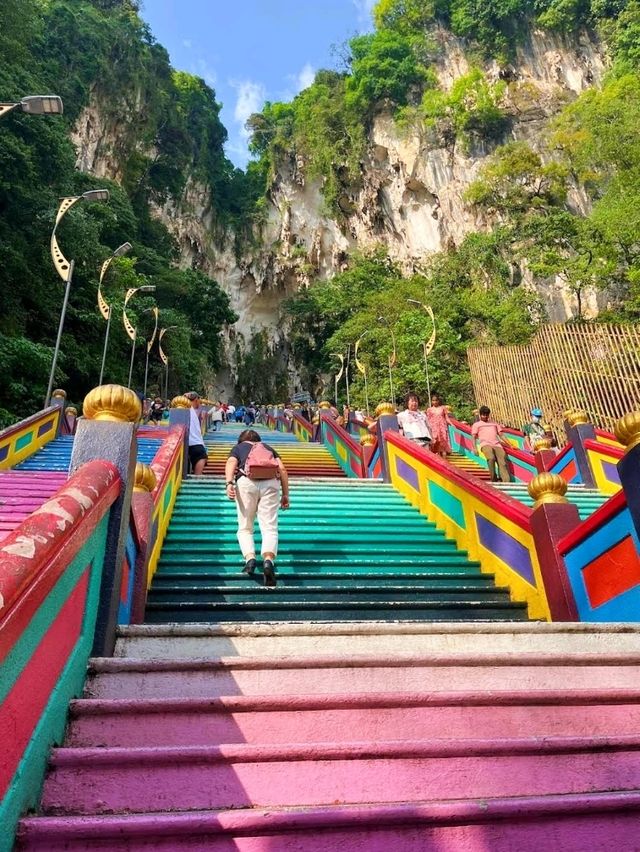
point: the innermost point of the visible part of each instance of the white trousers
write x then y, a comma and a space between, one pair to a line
262, 498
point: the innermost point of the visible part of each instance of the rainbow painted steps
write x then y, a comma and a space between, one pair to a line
373, 735
23, 493
56, 455
586, 499
348, 551
300, 459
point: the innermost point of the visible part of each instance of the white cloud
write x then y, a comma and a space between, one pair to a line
306, 77
365, 8
250, 98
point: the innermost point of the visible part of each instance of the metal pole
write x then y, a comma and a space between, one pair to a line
146, 374
393, 396
426, 372
346, 375
106, 343
133, 355
166, 380
335, 392
63, 314
366, 394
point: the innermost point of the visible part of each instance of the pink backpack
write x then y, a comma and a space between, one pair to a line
261, 463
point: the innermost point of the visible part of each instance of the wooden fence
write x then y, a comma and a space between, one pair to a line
594, 367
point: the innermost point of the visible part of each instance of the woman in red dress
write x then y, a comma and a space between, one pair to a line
438, 418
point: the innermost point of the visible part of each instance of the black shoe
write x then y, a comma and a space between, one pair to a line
269, 570
249, 567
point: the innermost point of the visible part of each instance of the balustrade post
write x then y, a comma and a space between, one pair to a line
180, 415
544, 456
367, 442
387, 421
579, 430
627, 431
552, 518
59, 400
108, 432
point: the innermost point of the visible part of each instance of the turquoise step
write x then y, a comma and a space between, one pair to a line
167, 580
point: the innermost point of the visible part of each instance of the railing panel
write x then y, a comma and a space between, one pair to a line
342, 447
603, 563
50, 573
168, 466
603, 460
25, 438
301, 428
491, 527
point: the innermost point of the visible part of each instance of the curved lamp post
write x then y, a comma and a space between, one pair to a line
64, 267
131, 330
103, 306
165, 358
429, 343
35, 105
156, 313
362, 368
392, 357
338, 375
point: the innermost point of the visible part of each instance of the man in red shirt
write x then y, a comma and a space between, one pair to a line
486, 435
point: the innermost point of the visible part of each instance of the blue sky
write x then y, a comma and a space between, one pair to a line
250, 51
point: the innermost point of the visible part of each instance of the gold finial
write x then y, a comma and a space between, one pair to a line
384, 408
576, 416
180, 402
145, 479
367, 440
324, 404
71, 410
542, 444
547, 488
112, 402
59, 394
627, 430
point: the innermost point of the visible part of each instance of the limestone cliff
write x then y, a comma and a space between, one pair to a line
410, 195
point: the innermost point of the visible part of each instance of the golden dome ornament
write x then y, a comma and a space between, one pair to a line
112, 403
547, 488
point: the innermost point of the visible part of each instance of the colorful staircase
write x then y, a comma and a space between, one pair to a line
23, 493
299, 459
586, 499
373, 737
349, 550
56, 455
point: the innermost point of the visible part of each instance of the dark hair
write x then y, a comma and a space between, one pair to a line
249, 435
484, 409
411, 395
437, 395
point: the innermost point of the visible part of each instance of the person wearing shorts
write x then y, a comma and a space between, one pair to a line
197, 449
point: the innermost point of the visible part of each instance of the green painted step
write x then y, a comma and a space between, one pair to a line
294, 565
210, 580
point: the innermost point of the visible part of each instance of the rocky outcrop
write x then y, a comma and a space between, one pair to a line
409, 196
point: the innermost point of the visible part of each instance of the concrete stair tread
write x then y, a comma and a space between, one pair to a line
168, 830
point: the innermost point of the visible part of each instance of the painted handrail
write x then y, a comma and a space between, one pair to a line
602, 560
492, 527
521, 462
50, 574
301, 428
603, 460
25, 438
168, 465
342, 447
604, 437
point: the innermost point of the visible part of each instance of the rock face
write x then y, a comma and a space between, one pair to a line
410, 196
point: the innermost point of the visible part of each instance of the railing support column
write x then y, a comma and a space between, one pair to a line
578, 431
628, 433
108, 432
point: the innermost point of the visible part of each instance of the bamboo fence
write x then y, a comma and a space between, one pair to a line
591, 367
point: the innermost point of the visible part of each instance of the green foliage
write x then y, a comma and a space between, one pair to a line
470, 291
72, 47
261, 375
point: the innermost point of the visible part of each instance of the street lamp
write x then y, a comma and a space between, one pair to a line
64, 267
35, 105
338, 375
104, 307
392, 357
362, 368
429, 343
131, 331
164, 357
150, 343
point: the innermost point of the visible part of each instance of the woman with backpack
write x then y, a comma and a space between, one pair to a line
253, 475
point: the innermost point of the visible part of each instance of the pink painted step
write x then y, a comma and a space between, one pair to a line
603, 822
349, 718
21, 494
146, 679
98, 781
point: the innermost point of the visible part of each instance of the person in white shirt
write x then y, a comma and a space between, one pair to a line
413, 422
197, 449
216, 417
